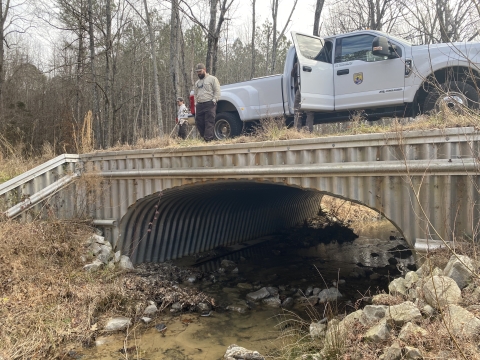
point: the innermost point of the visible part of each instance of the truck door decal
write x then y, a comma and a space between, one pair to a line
358, 78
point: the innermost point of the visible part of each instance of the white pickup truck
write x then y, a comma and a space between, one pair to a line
372, 71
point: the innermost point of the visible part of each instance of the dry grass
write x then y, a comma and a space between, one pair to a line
347, 212
15, 163
46, 299
49, 304
274, 129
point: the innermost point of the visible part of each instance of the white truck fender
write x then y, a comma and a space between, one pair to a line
243, 95
426, 63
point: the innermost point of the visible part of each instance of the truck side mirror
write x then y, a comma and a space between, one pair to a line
381, 47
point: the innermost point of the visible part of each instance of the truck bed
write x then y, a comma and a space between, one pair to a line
263, 96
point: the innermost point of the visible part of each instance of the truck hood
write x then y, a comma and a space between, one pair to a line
457, 50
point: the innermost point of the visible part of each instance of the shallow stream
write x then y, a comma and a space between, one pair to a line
291, 261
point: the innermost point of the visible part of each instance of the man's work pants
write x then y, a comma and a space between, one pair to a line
205, 119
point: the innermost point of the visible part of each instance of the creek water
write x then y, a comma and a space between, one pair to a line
291, 261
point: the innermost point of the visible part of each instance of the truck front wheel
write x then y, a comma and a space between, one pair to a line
227, 125
453, 95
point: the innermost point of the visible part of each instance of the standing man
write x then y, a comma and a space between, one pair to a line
182, 118
207, 93
298, 114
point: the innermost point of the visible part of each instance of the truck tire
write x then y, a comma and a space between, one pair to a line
227, 125
453, 94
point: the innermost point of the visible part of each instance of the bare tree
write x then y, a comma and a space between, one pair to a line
109, 108
3, 18
275, 36
214, 29
364, 14
433, 21
155, 69
316, 20
174, 49
96, 104
252, 73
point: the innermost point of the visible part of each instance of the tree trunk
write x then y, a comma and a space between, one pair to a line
174, 47
3, 17
276, 38
96, 106
211, 36
155, 70
79, 68
443, 15
183, 70
252, 72
108, 74
316, 20
274, 34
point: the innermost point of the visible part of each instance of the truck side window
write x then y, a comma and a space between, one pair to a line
358, 47
314, 48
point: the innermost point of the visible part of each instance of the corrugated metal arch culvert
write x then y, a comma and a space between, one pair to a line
195, 218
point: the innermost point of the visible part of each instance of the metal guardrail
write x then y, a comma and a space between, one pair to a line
32, 187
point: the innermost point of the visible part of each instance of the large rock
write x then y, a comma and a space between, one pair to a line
394, 352
104, 254
95, 249
403, 313
329, 295
462, 321
412, 353
272, 302
258, 295
96, 239
117, 324
460, 268
379, 332
272, 290
410, 279
150, 310
235, 352
204, 307
287, 303
440, 291
94, 266
372, 314
398, 287
317, 330
125, 263
428, 269
409, 330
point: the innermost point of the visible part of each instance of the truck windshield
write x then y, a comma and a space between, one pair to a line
313, 48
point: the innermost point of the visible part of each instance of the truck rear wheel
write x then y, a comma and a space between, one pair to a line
453, 95
227, 125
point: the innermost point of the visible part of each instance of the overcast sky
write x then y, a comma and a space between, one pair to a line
42, 37
302, 18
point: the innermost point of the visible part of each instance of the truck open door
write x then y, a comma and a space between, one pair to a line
315, 68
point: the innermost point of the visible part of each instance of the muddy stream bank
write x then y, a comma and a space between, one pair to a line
297, 264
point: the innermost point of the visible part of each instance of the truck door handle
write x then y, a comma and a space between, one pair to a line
343, 72
307, 69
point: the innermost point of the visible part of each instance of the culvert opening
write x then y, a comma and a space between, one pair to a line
231, 239
192, 219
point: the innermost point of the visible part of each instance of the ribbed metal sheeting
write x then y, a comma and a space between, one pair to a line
34, 181
385, 172
197, 218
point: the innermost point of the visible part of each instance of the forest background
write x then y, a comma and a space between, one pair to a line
115, 67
